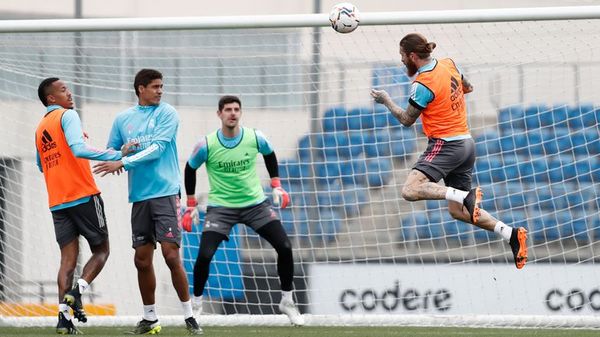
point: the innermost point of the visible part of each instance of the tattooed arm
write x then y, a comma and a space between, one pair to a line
406, 117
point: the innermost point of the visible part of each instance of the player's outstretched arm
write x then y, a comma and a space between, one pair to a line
406, 117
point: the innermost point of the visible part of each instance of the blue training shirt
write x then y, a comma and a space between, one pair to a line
153, 170
200, 153
71, 125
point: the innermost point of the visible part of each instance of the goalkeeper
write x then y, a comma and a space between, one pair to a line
437, 95
236, 196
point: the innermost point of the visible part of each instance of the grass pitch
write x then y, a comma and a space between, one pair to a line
316, 331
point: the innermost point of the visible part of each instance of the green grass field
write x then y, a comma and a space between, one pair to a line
317, 331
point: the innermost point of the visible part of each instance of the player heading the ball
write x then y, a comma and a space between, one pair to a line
437, 96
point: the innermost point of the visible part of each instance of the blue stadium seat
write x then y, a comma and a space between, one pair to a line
379, 171
577, 199
592, 138
336, 145
590, 116
542, 198
481, 171
534, 143
287, 220
574, 225
560, 114
380, 116
407, 226
595, 226
545, 228
595, 165
580, 116
356, 141
367, 119
534, 170
436, 204
359, 167
514, 198
583, 168
561, 168
579, 143
428, 225
378, 145
455, 230
521, 143
346, 173
533, 115
328, 226
330, 198
296, 172
353, 200
344, 149
511, 118
335, 119
507, 143
310, 148
302, 224
487, 143
510, 165
549, 142
327, 172
489, 169
563, 141
354, 116
402, 142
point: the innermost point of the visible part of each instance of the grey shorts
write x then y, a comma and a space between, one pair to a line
222, 219
85, 219
452, 161
155, 220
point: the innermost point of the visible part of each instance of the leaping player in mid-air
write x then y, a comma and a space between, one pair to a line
437, 95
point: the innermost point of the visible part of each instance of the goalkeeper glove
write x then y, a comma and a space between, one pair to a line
280, 196
190, 215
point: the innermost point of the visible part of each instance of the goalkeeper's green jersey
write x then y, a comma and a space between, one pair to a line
232, 172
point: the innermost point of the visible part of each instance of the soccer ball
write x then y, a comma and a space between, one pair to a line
344, 17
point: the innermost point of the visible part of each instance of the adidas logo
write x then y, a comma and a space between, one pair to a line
48, 143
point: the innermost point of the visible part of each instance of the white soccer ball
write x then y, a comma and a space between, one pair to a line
344, 17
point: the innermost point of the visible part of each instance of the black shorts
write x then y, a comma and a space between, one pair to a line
222, 219
85, 219
449, 160
155, 220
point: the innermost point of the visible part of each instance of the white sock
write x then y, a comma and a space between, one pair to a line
198, 299
287, 295
504, 230
150, 312
187, 309
456, 195
83, 285
64, 308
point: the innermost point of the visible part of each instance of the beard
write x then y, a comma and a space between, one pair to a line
411, 69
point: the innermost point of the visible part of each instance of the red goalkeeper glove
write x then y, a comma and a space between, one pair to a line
280, 196
190, 215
